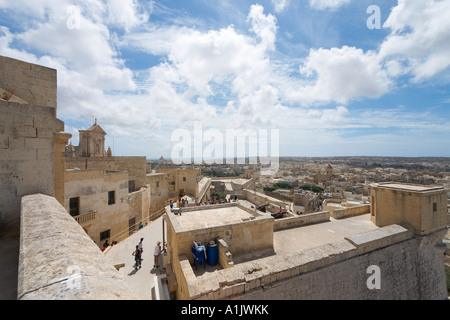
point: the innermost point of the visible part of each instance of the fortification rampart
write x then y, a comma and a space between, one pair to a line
302, 220
410, 268
58, 260
351, 211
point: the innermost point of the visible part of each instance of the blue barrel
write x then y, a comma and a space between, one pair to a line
212, 254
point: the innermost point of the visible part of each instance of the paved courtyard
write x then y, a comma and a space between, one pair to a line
141, 281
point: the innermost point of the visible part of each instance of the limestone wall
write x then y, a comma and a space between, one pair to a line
184, 179
410, 268
57, 259
351, 212
261, 199
241, 237
159, 187
302, 220
139, 205
26, 157
32, 83
92, 187
135, 166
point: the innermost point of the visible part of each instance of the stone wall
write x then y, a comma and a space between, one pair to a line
135, 166
139, 205
32, 83
410, 268
261, 199
351, 212
302, 220
241, 237
92, 187
57, 259
26, 157
159, 188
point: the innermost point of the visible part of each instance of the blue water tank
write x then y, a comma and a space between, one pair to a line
212, 254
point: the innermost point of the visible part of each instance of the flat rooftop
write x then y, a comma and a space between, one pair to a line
212, 217
315, 235
303, 238
409, 187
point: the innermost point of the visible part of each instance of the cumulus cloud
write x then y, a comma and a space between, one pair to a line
341, 75
264, 26
419, 39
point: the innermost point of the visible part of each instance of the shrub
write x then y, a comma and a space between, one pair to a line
282, 185
311, 187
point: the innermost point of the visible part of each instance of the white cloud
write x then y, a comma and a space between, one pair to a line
420, 33
280, 5
126, 13
199, 66
341, 75
264, 26
327, 4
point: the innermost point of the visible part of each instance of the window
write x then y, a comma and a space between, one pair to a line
105, 235
157, 184
184, 179
131, 186
131, 226
434, 207
74, 204
111, 197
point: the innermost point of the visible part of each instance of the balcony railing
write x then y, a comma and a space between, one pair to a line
86, 217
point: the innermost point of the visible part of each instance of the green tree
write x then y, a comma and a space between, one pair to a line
311, 187
282, 185
218, 195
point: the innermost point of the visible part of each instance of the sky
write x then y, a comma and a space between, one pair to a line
320, 77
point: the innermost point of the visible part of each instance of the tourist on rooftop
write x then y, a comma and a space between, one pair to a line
105, 245
141, 247
137, 258
156, 254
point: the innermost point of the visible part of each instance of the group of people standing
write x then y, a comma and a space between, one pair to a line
137, 253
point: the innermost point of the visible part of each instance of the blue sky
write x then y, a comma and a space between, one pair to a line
311, 69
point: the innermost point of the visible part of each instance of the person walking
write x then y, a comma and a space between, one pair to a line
137, 257
156, 254
141, 247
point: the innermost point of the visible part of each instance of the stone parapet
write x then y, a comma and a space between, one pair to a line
302, 220
351, 212
58, 260
276, 275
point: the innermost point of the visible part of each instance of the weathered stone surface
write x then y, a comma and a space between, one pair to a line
58, 260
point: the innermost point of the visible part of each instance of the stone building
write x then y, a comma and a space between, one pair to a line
100, 202
91, 143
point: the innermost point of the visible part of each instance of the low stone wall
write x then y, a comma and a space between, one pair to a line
225, 256
191, 207
58, 260
302, 220
351, 212
260, 199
